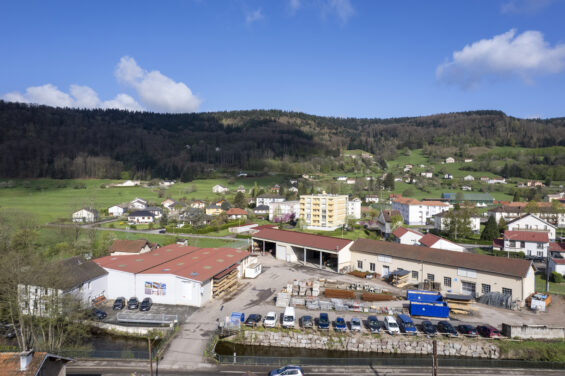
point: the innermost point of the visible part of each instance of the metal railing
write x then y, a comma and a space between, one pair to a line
146, 318
392, 361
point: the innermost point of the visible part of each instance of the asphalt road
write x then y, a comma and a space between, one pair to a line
317, 371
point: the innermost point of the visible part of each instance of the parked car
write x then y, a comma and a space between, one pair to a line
146, 304
287, 370
406, 325
119, 304
99, 314
323, 322
488, 331
391, 326
467, 330
133, 303
288, 317
428, 328
270, 320
253, 320
373, 324
307, 322
162, 231
340, 324
355, 324
445, 327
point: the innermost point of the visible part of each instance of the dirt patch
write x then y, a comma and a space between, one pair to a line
262, 296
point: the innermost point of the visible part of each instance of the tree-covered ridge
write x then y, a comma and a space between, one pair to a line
41, 141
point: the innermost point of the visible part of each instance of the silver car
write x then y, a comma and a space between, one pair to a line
355, 324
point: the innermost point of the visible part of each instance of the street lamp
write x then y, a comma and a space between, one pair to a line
151, 354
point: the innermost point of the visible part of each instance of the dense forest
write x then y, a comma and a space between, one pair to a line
41, 141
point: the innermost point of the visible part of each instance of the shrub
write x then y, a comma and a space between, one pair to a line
556, 277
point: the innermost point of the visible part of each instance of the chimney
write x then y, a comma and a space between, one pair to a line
25, 359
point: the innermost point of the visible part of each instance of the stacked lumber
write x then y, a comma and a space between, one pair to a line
460, 304
225, 284
374, 297
358, 273
340, 294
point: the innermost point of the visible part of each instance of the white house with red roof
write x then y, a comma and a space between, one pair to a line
417, 212
557, 264
407, 236
174, 274
532, 243
530, 222
434, 241
236, 213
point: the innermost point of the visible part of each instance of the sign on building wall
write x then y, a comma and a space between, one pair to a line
155, 288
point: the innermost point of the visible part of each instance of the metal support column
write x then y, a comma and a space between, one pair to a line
320, 259
304, 255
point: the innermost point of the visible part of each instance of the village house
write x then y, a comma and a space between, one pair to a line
261, 211
448, 176
214, 209
530, 222
122, 247
434, 241
469, 178
117, 210
466, 188
220, 189
168, 203
543, 211
141, 217
33, 363
341, 178
85, 215
236, 213
407, 236
372, 198
384, 221
441, 222
156, 211
276, 189
354, 208
427, 175
198, 204
531, 243
449, 160
496, 181
266, 199
137, 204
417, 212
278, 211
468, 160
350, 181
241, 189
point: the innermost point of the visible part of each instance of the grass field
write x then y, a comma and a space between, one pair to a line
550, 351
554, 288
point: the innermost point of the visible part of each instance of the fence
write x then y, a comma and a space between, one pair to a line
383, 362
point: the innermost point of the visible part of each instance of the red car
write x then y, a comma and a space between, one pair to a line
488, 331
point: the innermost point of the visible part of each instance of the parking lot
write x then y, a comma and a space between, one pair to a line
182, 312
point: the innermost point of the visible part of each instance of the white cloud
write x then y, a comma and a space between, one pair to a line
294, 4
524, 6
342, 8
80, 96
526, 55
254, 16
156, 91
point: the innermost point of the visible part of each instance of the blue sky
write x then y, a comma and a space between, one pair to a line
324, 57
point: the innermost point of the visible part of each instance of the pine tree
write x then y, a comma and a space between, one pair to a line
389, 181
490, 231
239, 200
516, 197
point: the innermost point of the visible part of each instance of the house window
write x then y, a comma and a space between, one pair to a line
540, 253
512, 244
414, 274
506, 291
372, 266
540, 245
447, 281
485, 289
430, 277
359, 264
384, 258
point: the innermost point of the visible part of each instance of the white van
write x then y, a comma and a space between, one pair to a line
288, 317
391, 326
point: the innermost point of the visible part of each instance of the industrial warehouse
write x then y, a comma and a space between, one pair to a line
175, 274
449, 272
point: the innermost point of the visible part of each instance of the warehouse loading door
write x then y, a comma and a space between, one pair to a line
468, 288
186, 291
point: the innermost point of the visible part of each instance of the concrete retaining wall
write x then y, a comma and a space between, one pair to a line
134, 330
532, 331
387, 345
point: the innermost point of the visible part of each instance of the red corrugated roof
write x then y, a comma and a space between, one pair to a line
527, 236
303, 240
202, 264
139, 263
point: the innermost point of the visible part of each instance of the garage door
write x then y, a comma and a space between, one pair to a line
281, 252
468, 288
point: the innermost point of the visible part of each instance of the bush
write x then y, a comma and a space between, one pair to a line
556, 277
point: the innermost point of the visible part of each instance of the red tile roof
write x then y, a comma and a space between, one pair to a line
202, 264
491, 264
556, 247
413, 201
399, 232
10, 364
527, 236
236, 211
558, 261
429, 240
303, 240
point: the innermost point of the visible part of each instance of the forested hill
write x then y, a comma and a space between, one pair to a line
41, 141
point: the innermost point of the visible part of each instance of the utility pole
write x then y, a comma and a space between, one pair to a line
434, 359
150, 356
547, 271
